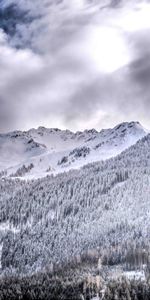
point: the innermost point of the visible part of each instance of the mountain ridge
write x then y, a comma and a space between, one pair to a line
52, 150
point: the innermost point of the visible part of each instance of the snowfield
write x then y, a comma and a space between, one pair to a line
40, 152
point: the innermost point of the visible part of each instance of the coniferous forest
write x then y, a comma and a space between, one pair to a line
80, 234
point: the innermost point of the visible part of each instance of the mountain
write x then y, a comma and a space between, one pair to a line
42, 151
102, 208
17, 147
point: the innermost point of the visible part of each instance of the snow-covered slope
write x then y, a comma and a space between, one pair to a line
103, 206
16, 147
53, 150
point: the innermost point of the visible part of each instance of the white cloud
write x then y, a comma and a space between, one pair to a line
75, 67
136, 19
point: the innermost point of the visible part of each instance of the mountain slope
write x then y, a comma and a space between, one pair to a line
16, 147
102, 206
52, 151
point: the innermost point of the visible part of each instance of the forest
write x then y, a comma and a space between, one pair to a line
99, 213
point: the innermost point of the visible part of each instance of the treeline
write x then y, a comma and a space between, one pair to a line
45, 286
133, 256
42, 287
127, 290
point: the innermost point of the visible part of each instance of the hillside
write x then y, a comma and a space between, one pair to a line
103, 206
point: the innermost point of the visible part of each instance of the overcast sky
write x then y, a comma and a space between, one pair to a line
74, 65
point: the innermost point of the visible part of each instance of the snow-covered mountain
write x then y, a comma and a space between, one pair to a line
103, 207
17, 147
42, 151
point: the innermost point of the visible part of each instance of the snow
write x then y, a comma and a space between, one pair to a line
137, 275
118, 272
6, 226
45, 148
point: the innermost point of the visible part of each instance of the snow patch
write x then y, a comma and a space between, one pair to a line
6, 226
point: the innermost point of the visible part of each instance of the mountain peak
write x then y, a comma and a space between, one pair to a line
133, 126
128, 125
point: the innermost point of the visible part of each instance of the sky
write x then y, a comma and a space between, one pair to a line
75, 64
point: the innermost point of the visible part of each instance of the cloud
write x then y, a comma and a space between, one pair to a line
17, 68
73, 66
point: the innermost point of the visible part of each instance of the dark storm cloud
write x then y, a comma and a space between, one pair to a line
11, 17
55, 82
